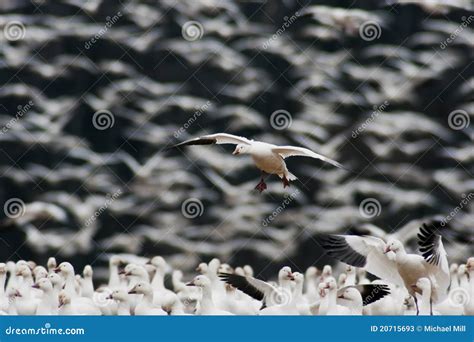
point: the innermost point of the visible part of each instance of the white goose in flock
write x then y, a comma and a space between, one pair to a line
390, 262
269, 158
206, 304
146, 306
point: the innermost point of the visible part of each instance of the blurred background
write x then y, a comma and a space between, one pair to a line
93, 92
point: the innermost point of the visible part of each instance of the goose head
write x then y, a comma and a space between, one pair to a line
225, 268
87, 272
327, 271
285, 274
43, 284
56, 280
202, 268
470, 265
23, 270
200, 281
159, 263
248, 270
351, 294
40, 272
65, 268
52, 264
298, 278
242, 149
118, 295
393, 246
330, 284
3, 268
141, 288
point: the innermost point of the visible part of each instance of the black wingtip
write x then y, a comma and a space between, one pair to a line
373, 293
337, 247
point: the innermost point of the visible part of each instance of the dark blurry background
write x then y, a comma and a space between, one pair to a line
384, 87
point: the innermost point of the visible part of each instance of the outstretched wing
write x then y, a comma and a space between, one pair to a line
362, 251
430, 243
251, 286
218, 138
294, 151
372, 292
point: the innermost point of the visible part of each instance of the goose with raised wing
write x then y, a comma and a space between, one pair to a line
269, 158
390, 261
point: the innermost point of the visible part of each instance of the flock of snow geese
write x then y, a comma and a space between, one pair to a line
408, 284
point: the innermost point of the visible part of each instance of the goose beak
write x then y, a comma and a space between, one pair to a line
132, 291
35, 286
191, 283
56, 270
291, 276
109, 297
341, 296
386, 250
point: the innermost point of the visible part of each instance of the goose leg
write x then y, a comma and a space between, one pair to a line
285, 181
416, 305
261, 186
431, 307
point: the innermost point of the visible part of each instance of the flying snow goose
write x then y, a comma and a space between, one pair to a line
260, 290
390, 262
269, 158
